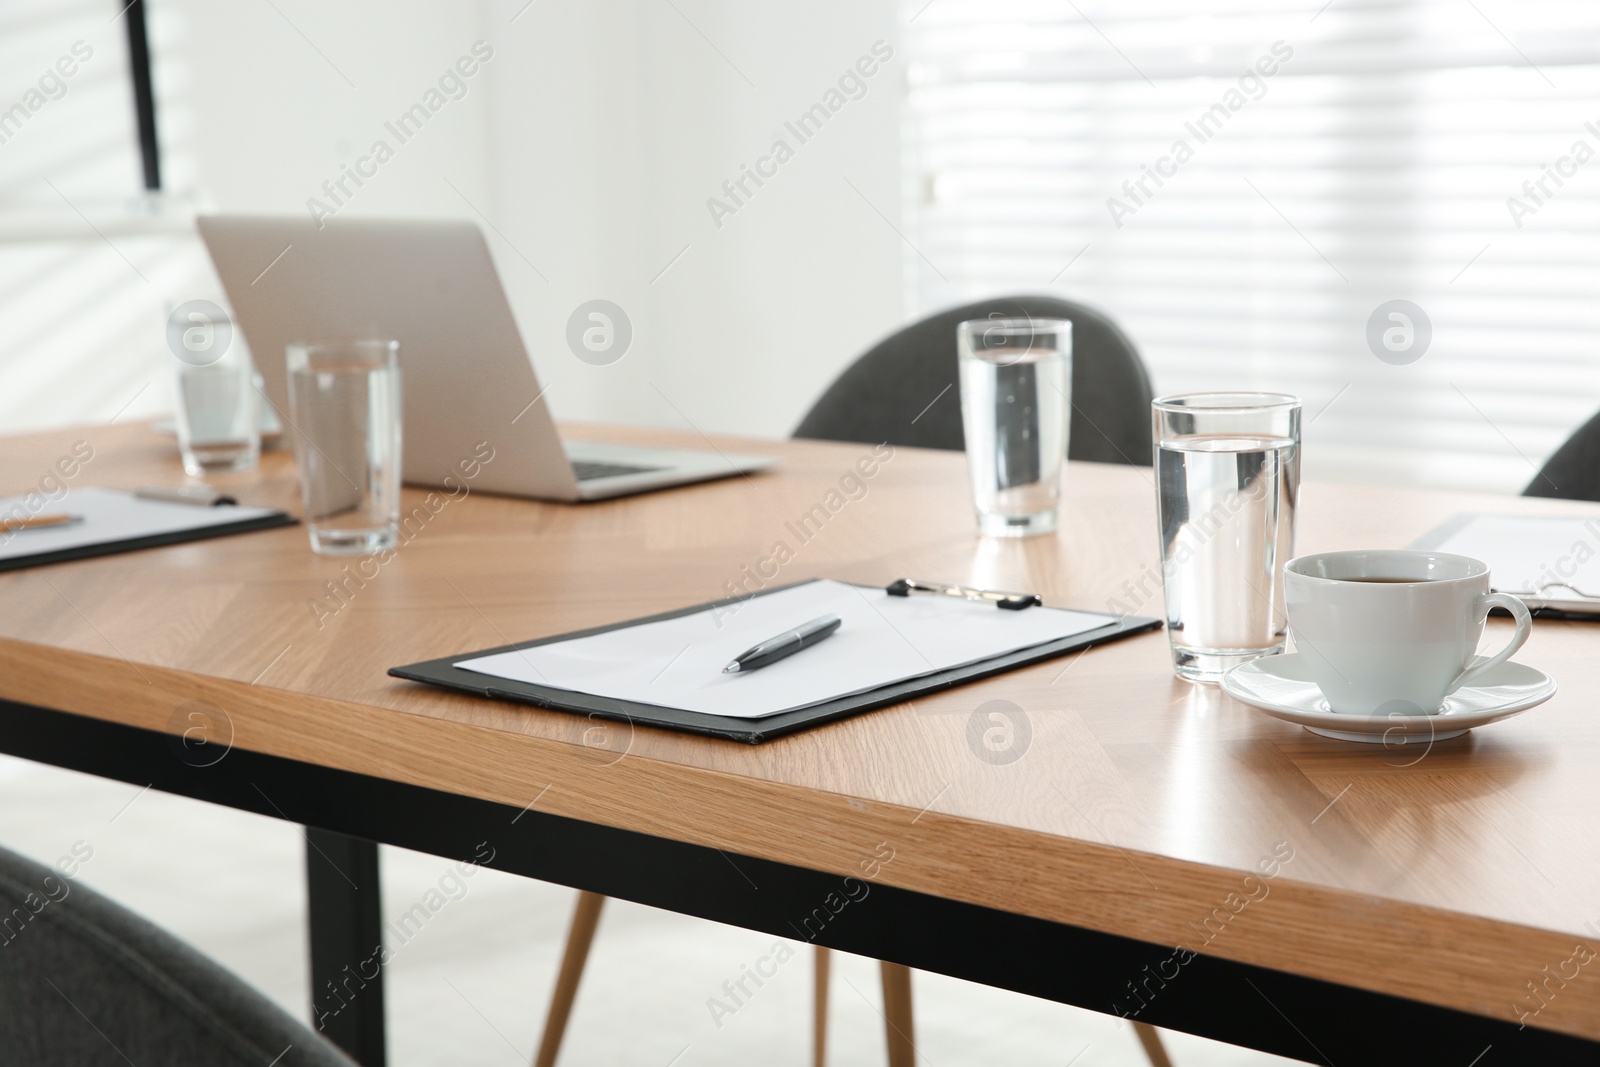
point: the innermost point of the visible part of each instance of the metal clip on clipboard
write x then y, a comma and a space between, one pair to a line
1545, 591
1008, 601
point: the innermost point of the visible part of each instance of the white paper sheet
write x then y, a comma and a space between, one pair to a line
110, 515
884, 639
1553, 561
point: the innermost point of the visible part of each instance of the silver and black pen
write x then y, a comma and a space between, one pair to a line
783, 645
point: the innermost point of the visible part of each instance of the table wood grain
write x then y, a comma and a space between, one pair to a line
1136, 804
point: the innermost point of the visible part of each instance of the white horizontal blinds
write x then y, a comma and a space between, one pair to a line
66, 105
81, 295
1373, 162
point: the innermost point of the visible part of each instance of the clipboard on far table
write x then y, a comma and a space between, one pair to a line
664, 670
109, 521
1551, 562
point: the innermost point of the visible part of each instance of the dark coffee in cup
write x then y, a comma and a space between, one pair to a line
1391, 630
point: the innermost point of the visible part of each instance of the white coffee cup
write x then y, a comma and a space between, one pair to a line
1393, 631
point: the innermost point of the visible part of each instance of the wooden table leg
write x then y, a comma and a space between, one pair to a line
819, 1010
1150, 1038
897, 1015
580, 935
346, 943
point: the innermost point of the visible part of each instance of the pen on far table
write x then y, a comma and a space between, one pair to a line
783, 645
200, 495
37, 522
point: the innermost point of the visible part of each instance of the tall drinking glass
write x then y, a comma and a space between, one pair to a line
217, 409
1016, 396
1227, 481
344, 410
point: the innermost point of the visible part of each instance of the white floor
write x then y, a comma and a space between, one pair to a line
472, 985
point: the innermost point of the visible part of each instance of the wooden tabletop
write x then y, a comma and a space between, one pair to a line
1122, 799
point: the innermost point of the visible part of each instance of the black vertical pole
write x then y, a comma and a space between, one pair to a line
346, 932
144, 100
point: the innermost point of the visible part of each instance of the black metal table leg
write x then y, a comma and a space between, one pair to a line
346, 943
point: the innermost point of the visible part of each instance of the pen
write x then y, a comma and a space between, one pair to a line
37, 521
200, 495
785, 644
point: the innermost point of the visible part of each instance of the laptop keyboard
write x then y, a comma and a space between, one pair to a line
588, 470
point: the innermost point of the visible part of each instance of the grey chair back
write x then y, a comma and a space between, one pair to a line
1573, 473
904, 390
84, 983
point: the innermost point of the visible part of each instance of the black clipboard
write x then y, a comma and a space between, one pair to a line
132, 544
443, 672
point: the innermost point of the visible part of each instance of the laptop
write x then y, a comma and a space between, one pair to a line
465, 375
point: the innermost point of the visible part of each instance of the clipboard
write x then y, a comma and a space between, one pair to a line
116, 521
444, 672
1529, 557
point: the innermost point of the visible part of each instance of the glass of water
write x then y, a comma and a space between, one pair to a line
1227, 481
1016, 397
217, 409
344, 414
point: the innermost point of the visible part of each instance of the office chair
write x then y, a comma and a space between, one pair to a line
904, 390
86, 983
1573, 473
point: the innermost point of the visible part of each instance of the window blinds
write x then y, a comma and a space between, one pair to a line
1247, 191
83, 263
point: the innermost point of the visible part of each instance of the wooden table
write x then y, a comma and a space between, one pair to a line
1060, 843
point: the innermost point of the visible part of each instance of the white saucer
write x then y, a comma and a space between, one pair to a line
1282, 687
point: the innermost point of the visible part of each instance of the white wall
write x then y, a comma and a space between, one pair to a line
616, 122
276, 103
590, 143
